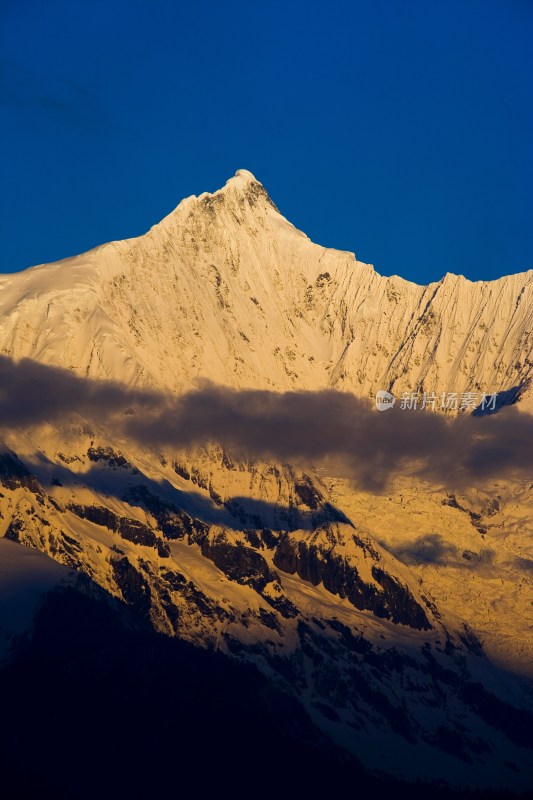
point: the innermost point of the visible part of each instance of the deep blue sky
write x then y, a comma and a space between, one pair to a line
400, 129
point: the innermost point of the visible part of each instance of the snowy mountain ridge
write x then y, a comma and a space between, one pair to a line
248, 300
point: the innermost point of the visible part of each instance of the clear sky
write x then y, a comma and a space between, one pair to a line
398, 129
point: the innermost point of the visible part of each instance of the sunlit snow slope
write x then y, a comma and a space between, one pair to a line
226, 288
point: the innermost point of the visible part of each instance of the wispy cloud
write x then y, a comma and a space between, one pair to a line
299, 427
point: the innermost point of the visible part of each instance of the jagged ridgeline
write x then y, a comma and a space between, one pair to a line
350, 615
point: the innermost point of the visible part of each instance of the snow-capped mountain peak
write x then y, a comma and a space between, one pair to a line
248, 300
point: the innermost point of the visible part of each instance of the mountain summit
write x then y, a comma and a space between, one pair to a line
248, 300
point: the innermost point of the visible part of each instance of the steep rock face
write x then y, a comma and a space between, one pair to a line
245, 299
320, 559
126, 553
131, 529
237, 561
326, 612
257, 493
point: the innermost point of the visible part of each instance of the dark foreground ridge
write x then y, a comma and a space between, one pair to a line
93, 706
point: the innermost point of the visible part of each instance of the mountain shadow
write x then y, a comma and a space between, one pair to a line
92, 707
